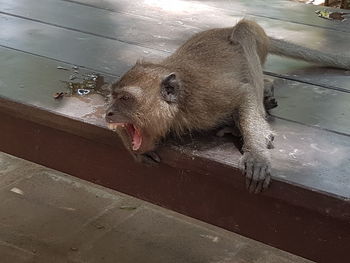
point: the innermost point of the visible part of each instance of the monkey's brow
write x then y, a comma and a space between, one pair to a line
121, 92
133, 90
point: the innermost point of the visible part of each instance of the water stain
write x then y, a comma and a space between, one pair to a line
80, 84
90, 84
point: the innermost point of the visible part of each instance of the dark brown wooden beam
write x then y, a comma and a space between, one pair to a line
287, 216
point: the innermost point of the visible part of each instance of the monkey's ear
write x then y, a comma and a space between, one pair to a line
170, 88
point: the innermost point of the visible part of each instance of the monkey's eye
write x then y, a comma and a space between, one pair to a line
121, 96
124, 97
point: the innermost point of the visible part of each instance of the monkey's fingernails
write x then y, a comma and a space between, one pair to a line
247, 183
242, 166
259, 187
267, 182
249, 169
262, 177
267, 178
255, 179
253, 186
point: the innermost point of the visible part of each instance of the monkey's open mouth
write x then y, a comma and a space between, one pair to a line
133, 132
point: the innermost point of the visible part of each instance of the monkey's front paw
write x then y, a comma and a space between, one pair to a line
256, 168
149, 158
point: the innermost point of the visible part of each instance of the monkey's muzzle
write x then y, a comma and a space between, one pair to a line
133, 132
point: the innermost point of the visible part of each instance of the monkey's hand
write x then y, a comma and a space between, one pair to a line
256, 167
149, 158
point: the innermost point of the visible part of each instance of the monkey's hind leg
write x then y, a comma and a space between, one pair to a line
269, 103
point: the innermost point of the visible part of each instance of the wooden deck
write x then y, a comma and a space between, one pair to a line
306, 211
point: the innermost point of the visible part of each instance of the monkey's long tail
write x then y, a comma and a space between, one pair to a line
287, 49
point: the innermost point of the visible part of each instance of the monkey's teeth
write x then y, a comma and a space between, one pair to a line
114, 126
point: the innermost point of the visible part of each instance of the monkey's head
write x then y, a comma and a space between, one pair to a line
143, 106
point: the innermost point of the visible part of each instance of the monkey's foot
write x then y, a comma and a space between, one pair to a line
257, 171
270, 101
228, 130
149, 158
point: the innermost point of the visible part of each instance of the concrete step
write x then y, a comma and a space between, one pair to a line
49, 216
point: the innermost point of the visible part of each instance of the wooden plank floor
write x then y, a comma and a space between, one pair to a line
150, 31
282, 10
312, 120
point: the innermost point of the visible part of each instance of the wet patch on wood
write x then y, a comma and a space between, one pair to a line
80, 84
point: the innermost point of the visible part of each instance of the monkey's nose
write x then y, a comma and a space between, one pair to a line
109, 116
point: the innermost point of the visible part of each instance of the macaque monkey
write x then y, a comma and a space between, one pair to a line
214, 79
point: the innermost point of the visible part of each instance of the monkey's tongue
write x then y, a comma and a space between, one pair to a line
135, 136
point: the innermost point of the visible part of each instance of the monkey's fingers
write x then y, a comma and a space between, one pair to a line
249, 173
257, 173
262, 179
267, 180
242, 165
247, 169
255, 178
258, 188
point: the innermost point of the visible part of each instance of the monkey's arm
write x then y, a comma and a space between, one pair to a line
255, 162
256, 132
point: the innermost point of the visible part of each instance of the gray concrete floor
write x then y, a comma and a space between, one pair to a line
48, 216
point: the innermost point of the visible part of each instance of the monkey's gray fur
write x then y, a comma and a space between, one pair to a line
215, 75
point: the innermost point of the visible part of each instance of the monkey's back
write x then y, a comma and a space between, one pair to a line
209, 52
211, 67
